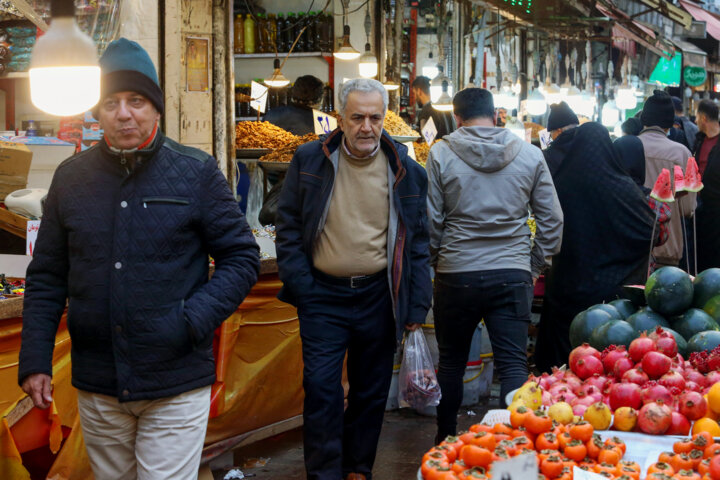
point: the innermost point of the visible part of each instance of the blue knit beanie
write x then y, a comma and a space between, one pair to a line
126, 67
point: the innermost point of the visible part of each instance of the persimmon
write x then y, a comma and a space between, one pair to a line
593, 447
667, 457
616, 442
481, 427
502, 428
475, 456
683, 446
518, 416
661, 467
437, 455
431, 465
582, 431
483, 439
459, 466
605, 467
552, 466
696, 457
575, 450
475, 473
712, 450
538, 422
523, 442
628, 472
687, 475
452, 442
610, 455
563, 439
682, 461
704, 466
547, 441
705, 436
715, 467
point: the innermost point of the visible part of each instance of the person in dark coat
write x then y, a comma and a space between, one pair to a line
707, 152
683, 131
127, 229
606, 238
297, 117
444, 121
561, 121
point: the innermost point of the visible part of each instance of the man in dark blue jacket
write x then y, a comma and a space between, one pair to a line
127, 229
352, 244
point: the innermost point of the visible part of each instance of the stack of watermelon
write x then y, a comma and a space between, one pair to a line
665, 190
687, 308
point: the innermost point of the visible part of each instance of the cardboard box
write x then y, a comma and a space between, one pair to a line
15, 160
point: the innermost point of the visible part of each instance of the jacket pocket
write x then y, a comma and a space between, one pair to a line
160, 332
165, 200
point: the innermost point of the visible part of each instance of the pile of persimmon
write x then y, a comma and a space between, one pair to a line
559, 448
696, 458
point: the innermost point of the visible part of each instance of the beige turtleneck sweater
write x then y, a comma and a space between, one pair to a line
354, 239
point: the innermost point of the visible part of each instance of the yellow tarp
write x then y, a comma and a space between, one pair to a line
259, 380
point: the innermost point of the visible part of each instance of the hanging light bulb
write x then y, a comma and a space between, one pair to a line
504, 98
444, 102
552, 94
536, 104
573, 97
625, 97
585, 105
436, 86
346, 50
64, 71
277, 79
390, 86
368, 66
610, 114
430, 68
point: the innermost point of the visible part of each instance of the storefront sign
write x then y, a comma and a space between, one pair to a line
31, 236
694, 76
429, 131
323, 122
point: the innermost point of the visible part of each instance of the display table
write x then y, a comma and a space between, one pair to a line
258, 389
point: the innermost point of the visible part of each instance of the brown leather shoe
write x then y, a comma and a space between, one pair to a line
355, 476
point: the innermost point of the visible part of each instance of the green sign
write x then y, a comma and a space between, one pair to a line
694, 76
667, 72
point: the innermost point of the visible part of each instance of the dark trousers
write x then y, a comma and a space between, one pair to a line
334, 320
502, 298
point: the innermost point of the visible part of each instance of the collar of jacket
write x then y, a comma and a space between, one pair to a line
140, 155
334, 140
654, 129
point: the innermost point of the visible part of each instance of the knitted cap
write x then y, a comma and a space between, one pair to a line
126, 67
561, 115
658, 110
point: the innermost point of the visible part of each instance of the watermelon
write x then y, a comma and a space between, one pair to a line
614, 332
679, 179
609, 309
693, 321
705, 286
584, 323
669, 291
662, 191
624, 307
646, 319
636, 294
693, 183
703, 341
712, 308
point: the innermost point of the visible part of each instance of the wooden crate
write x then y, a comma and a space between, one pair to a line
13, 223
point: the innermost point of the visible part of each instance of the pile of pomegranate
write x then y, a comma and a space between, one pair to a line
649, 378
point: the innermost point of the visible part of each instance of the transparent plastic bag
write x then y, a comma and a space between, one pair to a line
418, 385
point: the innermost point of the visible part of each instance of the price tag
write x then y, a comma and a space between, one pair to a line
545, 139
323, 122
31, 236
580, 474
522, 467
258, 93
411, 150
429, 131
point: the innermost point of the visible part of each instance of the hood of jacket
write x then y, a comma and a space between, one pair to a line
487, 149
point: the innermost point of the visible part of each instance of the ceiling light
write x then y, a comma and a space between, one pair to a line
277, 79
438, 83
610, 114
368, 66
536, 104
346, 50
444, 102
64, 71
390, 86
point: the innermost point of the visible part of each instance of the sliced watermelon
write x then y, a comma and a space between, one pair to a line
693, 182
679, 179
662, 191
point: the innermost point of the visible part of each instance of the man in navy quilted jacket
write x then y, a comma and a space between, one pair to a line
126, 232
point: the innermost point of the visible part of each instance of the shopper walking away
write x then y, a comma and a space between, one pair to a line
707, 154
482, 181
297, 116
353, 255
444, 121
127, 229
606, 236
683, 130
561, 122
661, 152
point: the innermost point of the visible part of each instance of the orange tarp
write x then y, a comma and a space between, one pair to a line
259, 382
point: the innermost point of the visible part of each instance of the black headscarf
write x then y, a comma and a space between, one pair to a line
558, 149
632, 158
606, 237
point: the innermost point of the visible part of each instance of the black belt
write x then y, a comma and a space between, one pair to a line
351, 282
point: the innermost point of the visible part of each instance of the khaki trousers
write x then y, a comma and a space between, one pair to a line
145, 439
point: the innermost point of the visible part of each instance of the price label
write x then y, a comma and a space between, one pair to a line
258, 93
429, 131
522, 467
31, 236
323, 122
411, 149
580, 474
545, 139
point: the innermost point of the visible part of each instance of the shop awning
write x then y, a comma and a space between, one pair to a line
626, 27
668, 10
712, 21
692, 56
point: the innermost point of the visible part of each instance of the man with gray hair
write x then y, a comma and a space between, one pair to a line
353, 256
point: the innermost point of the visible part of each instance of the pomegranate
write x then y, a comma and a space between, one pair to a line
546, 381
588, 365
635, 375
653, 392
664, 342
622, 365
640, 346
579, 410
679, 425
588, 390
693, 386
656, 364
611, 355
693, 405
654, 418
692, 375
558, 388
546, 398
572, 381
583, 399
672, 379
598, 381
582, 351
625, 395
568, 397
712, 378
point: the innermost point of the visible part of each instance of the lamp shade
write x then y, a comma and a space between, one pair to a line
610, 114
346, 50
368, 67
64, 71
277, 79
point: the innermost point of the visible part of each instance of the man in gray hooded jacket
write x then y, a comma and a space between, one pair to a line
482, 183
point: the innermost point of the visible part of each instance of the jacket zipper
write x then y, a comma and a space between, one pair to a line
175, 201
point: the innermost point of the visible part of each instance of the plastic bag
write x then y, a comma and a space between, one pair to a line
418, 385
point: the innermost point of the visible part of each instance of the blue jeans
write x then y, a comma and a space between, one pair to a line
503, 299
335, 320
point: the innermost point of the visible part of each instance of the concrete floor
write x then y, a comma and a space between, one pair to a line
405, 437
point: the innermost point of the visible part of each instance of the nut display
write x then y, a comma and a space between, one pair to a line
286, 153
395, 125
261, 135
